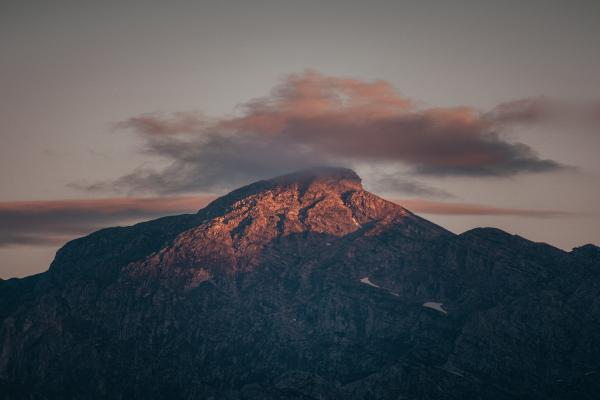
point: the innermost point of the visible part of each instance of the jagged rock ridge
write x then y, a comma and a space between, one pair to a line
304, 286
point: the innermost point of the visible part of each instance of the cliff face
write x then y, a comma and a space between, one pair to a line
304, 287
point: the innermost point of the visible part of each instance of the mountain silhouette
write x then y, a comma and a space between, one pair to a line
304, 286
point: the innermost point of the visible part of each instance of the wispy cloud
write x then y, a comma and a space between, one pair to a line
394, 183
313, 119
157, 124
451, 208
55, 222
541, 110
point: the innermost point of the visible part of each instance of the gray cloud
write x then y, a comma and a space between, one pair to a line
523, 111
541, 110
386, 183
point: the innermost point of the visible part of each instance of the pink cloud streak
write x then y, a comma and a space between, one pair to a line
55, 222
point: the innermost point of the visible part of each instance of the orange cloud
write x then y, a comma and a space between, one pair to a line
312, 96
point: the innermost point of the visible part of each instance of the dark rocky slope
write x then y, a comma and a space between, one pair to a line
303, 287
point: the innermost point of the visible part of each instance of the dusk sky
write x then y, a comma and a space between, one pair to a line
469, 113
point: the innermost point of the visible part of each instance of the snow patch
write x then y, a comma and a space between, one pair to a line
366, 281
435, 306
355, 221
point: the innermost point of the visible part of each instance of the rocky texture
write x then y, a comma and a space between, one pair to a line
304, 287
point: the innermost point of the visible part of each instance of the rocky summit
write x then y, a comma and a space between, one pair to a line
304, 286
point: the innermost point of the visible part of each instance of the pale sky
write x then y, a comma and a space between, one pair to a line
71, 70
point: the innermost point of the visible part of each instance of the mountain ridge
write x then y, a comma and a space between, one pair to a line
303, 286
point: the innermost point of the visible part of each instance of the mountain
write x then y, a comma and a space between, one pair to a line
304, 286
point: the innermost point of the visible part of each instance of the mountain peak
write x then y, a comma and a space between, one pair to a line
331, 179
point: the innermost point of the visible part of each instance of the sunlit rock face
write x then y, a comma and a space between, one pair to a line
304, 286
